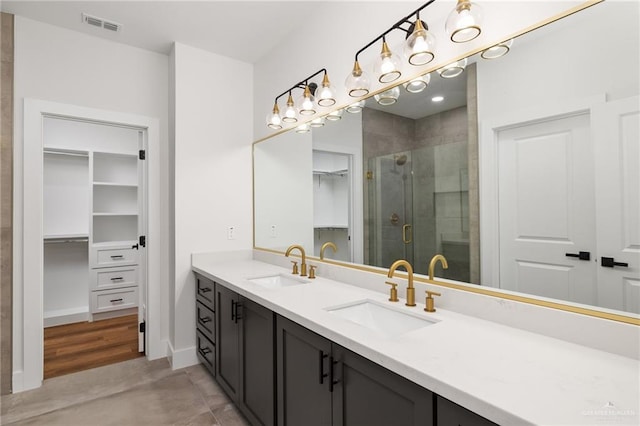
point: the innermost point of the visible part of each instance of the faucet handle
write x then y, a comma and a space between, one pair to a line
295, 267
430, 304
312, 271
393, 295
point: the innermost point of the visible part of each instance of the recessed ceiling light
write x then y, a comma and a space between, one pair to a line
437, 99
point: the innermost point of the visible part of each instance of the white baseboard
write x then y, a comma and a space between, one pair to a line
18, 384
65, 316
181, 358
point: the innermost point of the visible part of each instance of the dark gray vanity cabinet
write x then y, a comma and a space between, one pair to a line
322, 383
450, 414
205, 322
244, 354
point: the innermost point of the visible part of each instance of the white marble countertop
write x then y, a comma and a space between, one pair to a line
509, 376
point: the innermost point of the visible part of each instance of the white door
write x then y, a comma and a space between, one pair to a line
547, 209
617, 153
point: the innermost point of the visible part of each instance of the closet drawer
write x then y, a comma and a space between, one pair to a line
106, 278
112, 300
113, 256
206, 352
205, 321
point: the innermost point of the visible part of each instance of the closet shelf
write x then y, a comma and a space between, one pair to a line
115, 214
117, 184
66, 238
114, 243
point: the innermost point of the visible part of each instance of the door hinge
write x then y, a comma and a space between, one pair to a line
142, 241
143, 327
142, 154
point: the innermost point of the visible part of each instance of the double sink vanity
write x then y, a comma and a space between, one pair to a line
290, 349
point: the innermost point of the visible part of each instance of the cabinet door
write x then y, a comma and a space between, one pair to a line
227, 341
450, 414
257, 394
303, 357
368, 394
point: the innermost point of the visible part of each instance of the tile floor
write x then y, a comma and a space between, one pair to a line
136, 392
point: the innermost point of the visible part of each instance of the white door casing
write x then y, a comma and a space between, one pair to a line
616, 132
546, 209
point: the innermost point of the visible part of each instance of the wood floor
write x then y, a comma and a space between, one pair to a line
75, 347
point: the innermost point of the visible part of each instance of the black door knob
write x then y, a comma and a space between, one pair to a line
583, 255
609, 262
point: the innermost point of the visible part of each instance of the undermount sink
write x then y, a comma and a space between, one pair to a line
378, 317
278, 281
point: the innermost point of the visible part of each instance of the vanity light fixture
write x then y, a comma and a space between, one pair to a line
355, 107
387, 64
420, 44
454, 69
388, 97
290, 114
335, 115
418, 84
387, 67
273, 119
498, 50
464, 22
307, 105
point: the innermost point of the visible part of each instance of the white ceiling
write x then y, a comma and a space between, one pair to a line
244, 30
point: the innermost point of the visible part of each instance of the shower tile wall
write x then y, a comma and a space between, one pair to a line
438, 146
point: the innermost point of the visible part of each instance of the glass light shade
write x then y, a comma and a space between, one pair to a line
454, 69
306, 102
335, 115
464, 22
290, 115
498, 50
356, 107
303, 128
417, 85
387, 65
325, 95
317, 122
419, 46
357, 82
388, 97
273, 118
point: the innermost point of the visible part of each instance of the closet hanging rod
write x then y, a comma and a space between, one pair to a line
66, 240
70, 153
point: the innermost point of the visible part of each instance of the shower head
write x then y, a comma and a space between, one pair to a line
400, 159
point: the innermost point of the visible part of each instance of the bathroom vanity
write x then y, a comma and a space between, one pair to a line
290, 350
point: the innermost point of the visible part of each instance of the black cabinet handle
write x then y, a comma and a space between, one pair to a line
117, 256
204, 351
204, 320
332, 381
115, 300
610, 262
204, 289
135, 246
321, 360
238, 311
117, 279
582, 255
233, 310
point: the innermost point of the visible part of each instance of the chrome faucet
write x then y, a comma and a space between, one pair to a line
411, 291
303, 266
434, 261
324, 247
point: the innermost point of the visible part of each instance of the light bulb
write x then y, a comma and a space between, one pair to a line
325, 95
306, 102
419, 46
464, 22
454, 69
388, 97
290, 114
355, 107
418, 84
273, 118
387, 65
357, 82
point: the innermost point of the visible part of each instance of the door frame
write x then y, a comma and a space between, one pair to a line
28, 252
489, 179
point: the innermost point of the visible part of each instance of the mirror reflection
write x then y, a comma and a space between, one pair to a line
536, 152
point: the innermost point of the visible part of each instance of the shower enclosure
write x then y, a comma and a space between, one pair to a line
418, 206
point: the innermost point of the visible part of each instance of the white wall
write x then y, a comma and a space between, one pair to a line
212, 167
64, 66
332, 37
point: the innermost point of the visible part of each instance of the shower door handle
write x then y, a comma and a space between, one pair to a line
407, 236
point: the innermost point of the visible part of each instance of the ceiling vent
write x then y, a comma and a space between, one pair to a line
101, 23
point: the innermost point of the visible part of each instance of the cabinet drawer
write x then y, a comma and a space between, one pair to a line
205, 321
106, 278
206, 352
112, 300
205, 293
114, 256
